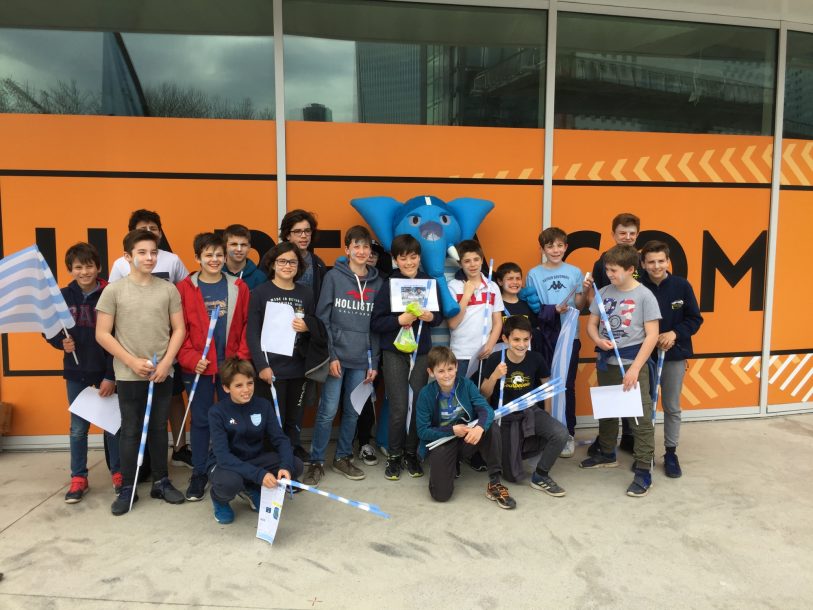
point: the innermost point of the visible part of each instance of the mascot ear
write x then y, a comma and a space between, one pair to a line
379, 213
469, 214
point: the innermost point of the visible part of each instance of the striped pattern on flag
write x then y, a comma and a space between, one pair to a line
561, 359
31, 300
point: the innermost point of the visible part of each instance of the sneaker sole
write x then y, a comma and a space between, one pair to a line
416, 475
673, 475
604, 465
559, 494
369, 462
352, 477
195, 498
223, 522
641, 495
567, 454
495, 500
79, 499
393, 477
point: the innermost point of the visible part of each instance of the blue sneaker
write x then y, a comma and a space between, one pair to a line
672, 466
224, 513
640, 484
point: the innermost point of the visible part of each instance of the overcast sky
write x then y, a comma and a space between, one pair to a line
230, 67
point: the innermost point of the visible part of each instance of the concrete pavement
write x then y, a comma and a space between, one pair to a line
735, 532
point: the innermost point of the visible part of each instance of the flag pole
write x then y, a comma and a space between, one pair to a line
485, 319
212, 323
144, 429
67, 336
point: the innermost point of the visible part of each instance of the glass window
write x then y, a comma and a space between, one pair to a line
799, 87
415, 64
136, 74
620, 73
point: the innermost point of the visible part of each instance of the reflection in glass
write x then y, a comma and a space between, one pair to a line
194, 76
619, 73
799, 87
415, 64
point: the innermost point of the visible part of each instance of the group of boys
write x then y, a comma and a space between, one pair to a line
144, 324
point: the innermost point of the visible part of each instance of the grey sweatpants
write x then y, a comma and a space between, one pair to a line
671, 385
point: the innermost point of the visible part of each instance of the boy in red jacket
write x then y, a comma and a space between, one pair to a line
201, 293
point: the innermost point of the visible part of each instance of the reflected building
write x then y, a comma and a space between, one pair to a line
391, 83
318, 113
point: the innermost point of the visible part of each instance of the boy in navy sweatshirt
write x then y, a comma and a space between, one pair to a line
680, 319
406, 250
95, 367
345, 305
239, 426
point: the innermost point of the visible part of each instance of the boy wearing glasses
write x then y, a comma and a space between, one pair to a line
287, 373
238, 242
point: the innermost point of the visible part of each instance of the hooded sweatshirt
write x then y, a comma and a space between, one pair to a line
95, 364
250, 274
345, 306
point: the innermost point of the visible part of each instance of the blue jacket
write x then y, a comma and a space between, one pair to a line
251, 275
95, 364
679, 313
238, 433
385, 322
427, 413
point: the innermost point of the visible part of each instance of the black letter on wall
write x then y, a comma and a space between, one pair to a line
714, 259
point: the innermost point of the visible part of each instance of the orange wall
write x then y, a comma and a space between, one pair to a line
503, 165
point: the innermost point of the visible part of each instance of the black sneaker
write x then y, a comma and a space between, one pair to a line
497, 492
477, 463
121, 504
182, 457
164, 490
393, 470
413, 465
627, 443
671, 465
546, 484
594, 448
302, 453
640, 483
600, 460
197, 487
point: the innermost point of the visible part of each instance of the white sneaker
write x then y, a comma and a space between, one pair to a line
570, 448
367, 455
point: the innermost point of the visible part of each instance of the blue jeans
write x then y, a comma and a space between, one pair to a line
79, 438
328, 405
208, 386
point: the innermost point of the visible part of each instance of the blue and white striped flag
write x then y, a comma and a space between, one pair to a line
561, 360
31, 300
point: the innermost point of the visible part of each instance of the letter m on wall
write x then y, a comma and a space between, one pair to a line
714, 260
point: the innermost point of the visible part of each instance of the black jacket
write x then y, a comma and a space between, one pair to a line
679, 313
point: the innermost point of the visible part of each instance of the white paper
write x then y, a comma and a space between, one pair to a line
359, 395
404, 291
102, 412
278, 336
270, 512
613, 401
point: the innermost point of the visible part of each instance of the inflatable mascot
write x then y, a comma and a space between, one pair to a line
436, 224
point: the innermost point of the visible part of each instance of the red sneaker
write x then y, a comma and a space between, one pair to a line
118, 481
79, 487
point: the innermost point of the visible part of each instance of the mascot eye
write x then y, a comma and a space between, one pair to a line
414, 220
444, 219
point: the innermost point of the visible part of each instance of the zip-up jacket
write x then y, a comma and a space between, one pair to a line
345, 306
385, 321
250, 274
95, 364
679, 313
427, 414
196, 320
238, 435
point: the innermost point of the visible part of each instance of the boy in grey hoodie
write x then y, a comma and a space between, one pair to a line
345, 305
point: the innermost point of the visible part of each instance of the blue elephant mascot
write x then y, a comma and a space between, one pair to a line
436, 224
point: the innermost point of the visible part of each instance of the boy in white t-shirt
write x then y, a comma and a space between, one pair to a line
474, 293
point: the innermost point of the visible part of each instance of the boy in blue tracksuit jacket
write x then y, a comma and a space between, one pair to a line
94, 367
444, 408
239, 427
680, 319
